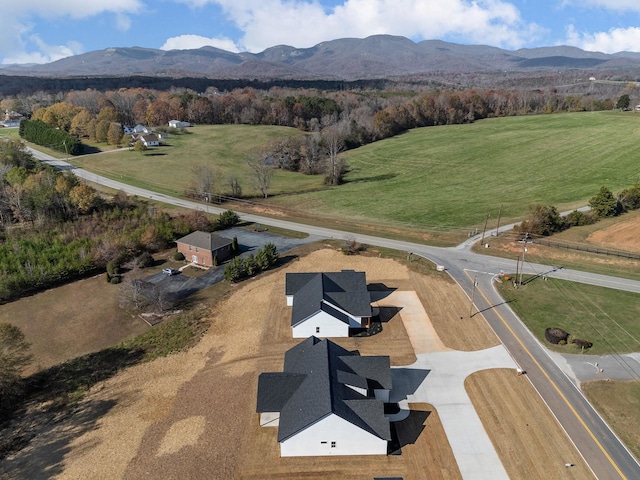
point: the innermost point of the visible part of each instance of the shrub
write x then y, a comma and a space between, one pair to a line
143, 260
556, 335
114, 280
113, 268
578, 218
583, 343
178, 256
227, 219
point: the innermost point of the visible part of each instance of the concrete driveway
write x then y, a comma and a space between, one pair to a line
437, 377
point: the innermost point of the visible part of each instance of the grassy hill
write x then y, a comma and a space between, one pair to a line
224, 148
442, 180
449, 178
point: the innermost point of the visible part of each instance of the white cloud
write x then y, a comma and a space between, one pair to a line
612, 5
185, 42
613, 41
18, 44
305, 23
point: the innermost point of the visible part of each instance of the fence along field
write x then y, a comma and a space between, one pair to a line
433, 179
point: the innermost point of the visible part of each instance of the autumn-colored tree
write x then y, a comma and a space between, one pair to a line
80, 123
102, 130
60, 115
140, 147
84, 197
108, 113
158, 113
115, 134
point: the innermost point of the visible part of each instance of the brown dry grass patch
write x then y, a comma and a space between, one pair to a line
72, 320
619, 403
526, 436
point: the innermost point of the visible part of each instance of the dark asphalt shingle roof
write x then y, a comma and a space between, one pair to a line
324, 378
205, 240
346, 290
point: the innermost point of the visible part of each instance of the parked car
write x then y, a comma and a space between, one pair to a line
169, 271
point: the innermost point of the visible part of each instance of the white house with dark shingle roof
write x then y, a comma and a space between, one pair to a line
327, 401
328, 304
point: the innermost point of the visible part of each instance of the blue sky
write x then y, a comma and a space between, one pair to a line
40, 31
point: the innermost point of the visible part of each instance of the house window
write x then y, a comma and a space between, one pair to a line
196, 249
317, 329
333, 444
189, 247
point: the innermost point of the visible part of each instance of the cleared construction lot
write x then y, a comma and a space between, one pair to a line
192, 415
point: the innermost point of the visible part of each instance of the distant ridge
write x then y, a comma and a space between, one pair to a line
378, 56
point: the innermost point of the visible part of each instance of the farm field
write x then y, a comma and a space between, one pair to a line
193, 413
440, 180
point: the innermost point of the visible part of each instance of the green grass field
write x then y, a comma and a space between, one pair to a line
451, 177
224, 148
604, 316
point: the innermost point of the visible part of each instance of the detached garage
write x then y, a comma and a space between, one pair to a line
202, 247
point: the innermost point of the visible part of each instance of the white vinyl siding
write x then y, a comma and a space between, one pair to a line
329, 327
318, 438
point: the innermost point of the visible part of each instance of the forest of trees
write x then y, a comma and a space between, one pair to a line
335, 120
53, 228
362, 116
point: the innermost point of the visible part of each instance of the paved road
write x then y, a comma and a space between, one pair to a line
602, 450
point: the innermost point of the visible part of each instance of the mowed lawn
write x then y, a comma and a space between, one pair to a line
223, 148
434, 179
604, 316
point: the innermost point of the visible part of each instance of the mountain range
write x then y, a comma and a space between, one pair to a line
378, 56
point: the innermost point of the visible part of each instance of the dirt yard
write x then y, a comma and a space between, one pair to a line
192, 415
623, 235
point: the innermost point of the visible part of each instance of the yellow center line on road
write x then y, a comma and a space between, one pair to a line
553, 384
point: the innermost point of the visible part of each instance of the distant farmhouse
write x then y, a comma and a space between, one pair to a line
178, 124
202, 247
328, 304
149, 140
141, 129
11, 119
327, 401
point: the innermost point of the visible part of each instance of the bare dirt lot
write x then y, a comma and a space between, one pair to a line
623, 235
192, 415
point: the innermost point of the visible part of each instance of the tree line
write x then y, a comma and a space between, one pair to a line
363, 115
545, 220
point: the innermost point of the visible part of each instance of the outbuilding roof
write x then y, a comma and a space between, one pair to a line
317, 380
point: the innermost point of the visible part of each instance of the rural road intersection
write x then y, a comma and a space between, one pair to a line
555, 378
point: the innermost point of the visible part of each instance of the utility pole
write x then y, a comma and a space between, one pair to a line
484, 229
473, 295
499, 215
515, 280
524, 249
